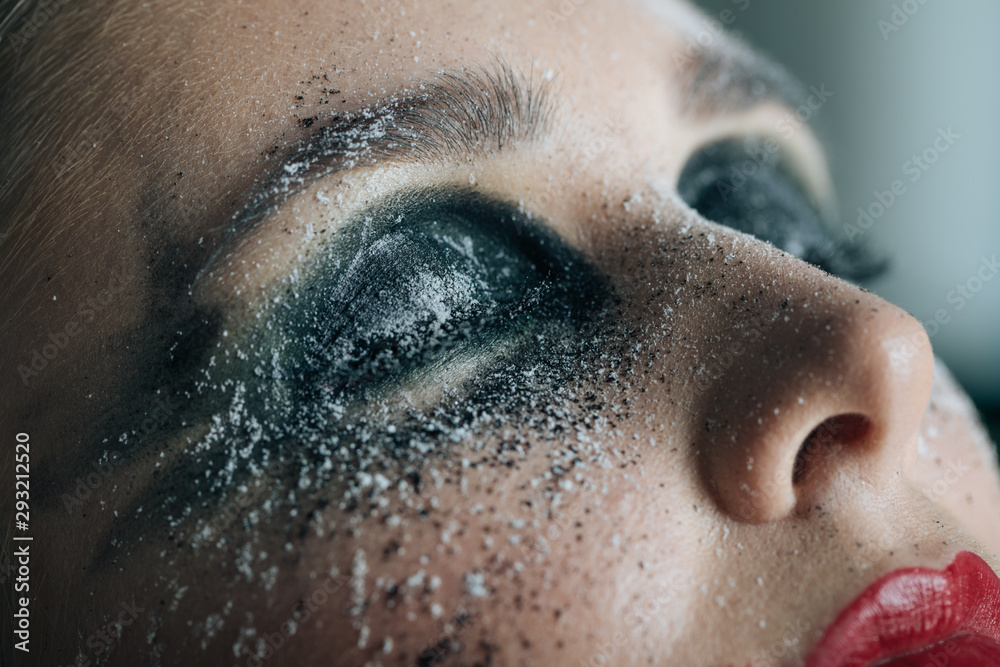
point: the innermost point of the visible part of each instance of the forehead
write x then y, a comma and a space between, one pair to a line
269, 62
192, 106
260, 59
233, 80
229, 80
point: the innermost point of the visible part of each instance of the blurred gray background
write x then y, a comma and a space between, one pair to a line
899, 72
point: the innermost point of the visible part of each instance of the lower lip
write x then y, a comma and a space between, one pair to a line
962, 651
919, 617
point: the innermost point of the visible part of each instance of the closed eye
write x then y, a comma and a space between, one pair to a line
426, 279
747, 185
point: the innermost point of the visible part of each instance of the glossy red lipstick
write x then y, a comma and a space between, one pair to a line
919, 617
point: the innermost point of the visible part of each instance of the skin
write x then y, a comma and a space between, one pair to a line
694, 545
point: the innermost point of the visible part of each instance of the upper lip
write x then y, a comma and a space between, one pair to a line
912, 609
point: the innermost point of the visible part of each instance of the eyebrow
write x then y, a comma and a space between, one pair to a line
731, 76
483, 110
458, 113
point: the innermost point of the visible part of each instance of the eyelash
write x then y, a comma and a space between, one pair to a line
729, 183
304, 388
414, 284
427, 278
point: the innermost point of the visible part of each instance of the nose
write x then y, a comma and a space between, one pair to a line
829, 381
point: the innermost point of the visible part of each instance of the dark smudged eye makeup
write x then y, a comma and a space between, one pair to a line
424, 289
442, 287
428, 314
426, 281
747, 185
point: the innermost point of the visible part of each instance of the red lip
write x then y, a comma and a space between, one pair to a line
919, 617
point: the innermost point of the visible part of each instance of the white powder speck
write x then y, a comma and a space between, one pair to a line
359, 568
475, 584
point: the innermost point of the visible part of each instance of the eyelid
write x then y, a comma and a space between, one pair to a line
806, 158
259, 260
774, 206
798, 147
362, 318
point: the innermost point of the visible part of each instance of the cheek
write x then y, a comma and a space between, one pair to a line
956, 465
518, 556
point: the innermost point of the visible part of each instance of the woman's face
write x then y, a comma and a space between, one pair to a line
397, 333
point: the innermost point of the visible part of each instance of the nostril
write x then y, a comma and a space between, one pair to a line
826, 442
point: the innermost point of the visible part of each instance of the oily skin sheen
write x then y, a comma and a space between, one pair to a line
686, 543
